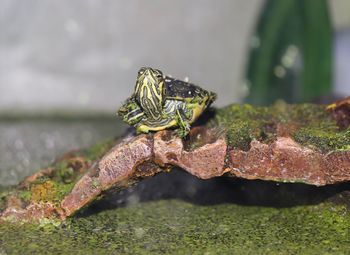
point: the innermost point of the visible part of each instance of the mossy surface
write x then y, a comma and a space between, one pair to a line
66, 172
59, 178
243, 123
178, 227
310, 125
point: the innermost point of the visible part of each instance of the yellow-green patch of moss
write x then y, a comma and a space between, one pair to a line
49, 191
59, 179
178, 227
51, 188
43, 192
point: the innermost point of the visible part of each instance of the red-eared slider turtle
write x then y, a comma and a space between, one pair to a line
160, 102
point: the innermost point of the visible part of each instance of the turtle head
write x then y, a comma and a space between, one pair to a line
149, 91
151, 74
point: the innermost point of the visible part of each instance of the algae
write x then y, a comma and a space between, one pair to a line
178, 227
242, 122
58, 179
49, 191
324, 140
66, 172
309, 124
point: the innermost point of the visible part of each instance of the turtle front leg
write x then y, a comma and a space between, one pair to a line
183, 123
131, 112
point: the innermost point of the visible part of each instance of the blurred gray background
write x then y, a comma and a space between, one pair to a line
82, 56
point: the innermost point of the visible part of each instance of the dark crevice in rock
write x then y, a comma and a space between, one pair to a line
222, 190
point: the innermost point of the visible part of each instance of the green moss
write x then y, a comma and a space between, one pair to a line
3, 194
309, 124
62, 190
243, 123
64, 172
69, 170
240, 135
318, 130
24, 195
177, 227
44, 189
324, 140
60, 178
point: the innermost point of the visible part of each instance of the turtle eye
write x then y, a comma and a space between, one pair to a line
142, 70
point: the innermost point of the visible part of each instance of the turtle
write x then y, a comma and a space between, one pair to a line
160, 102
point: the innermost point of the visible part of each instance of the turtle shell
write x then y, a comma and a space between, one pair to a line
180, 90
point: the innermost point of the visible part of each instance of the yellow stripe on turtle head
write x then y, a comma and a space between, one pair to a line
149, 91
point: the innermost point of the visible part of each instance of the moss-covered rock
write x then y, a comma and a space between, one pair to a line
52, 184
177, 227
309, 124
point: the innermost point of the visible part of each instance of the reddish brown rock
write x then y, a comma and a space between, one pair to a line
16, 211
205, 161
205, 153
115, 168
133, 158
286, 160
337, 166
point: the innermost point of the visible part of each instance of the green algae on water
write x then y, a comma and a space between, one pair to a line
177, 227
